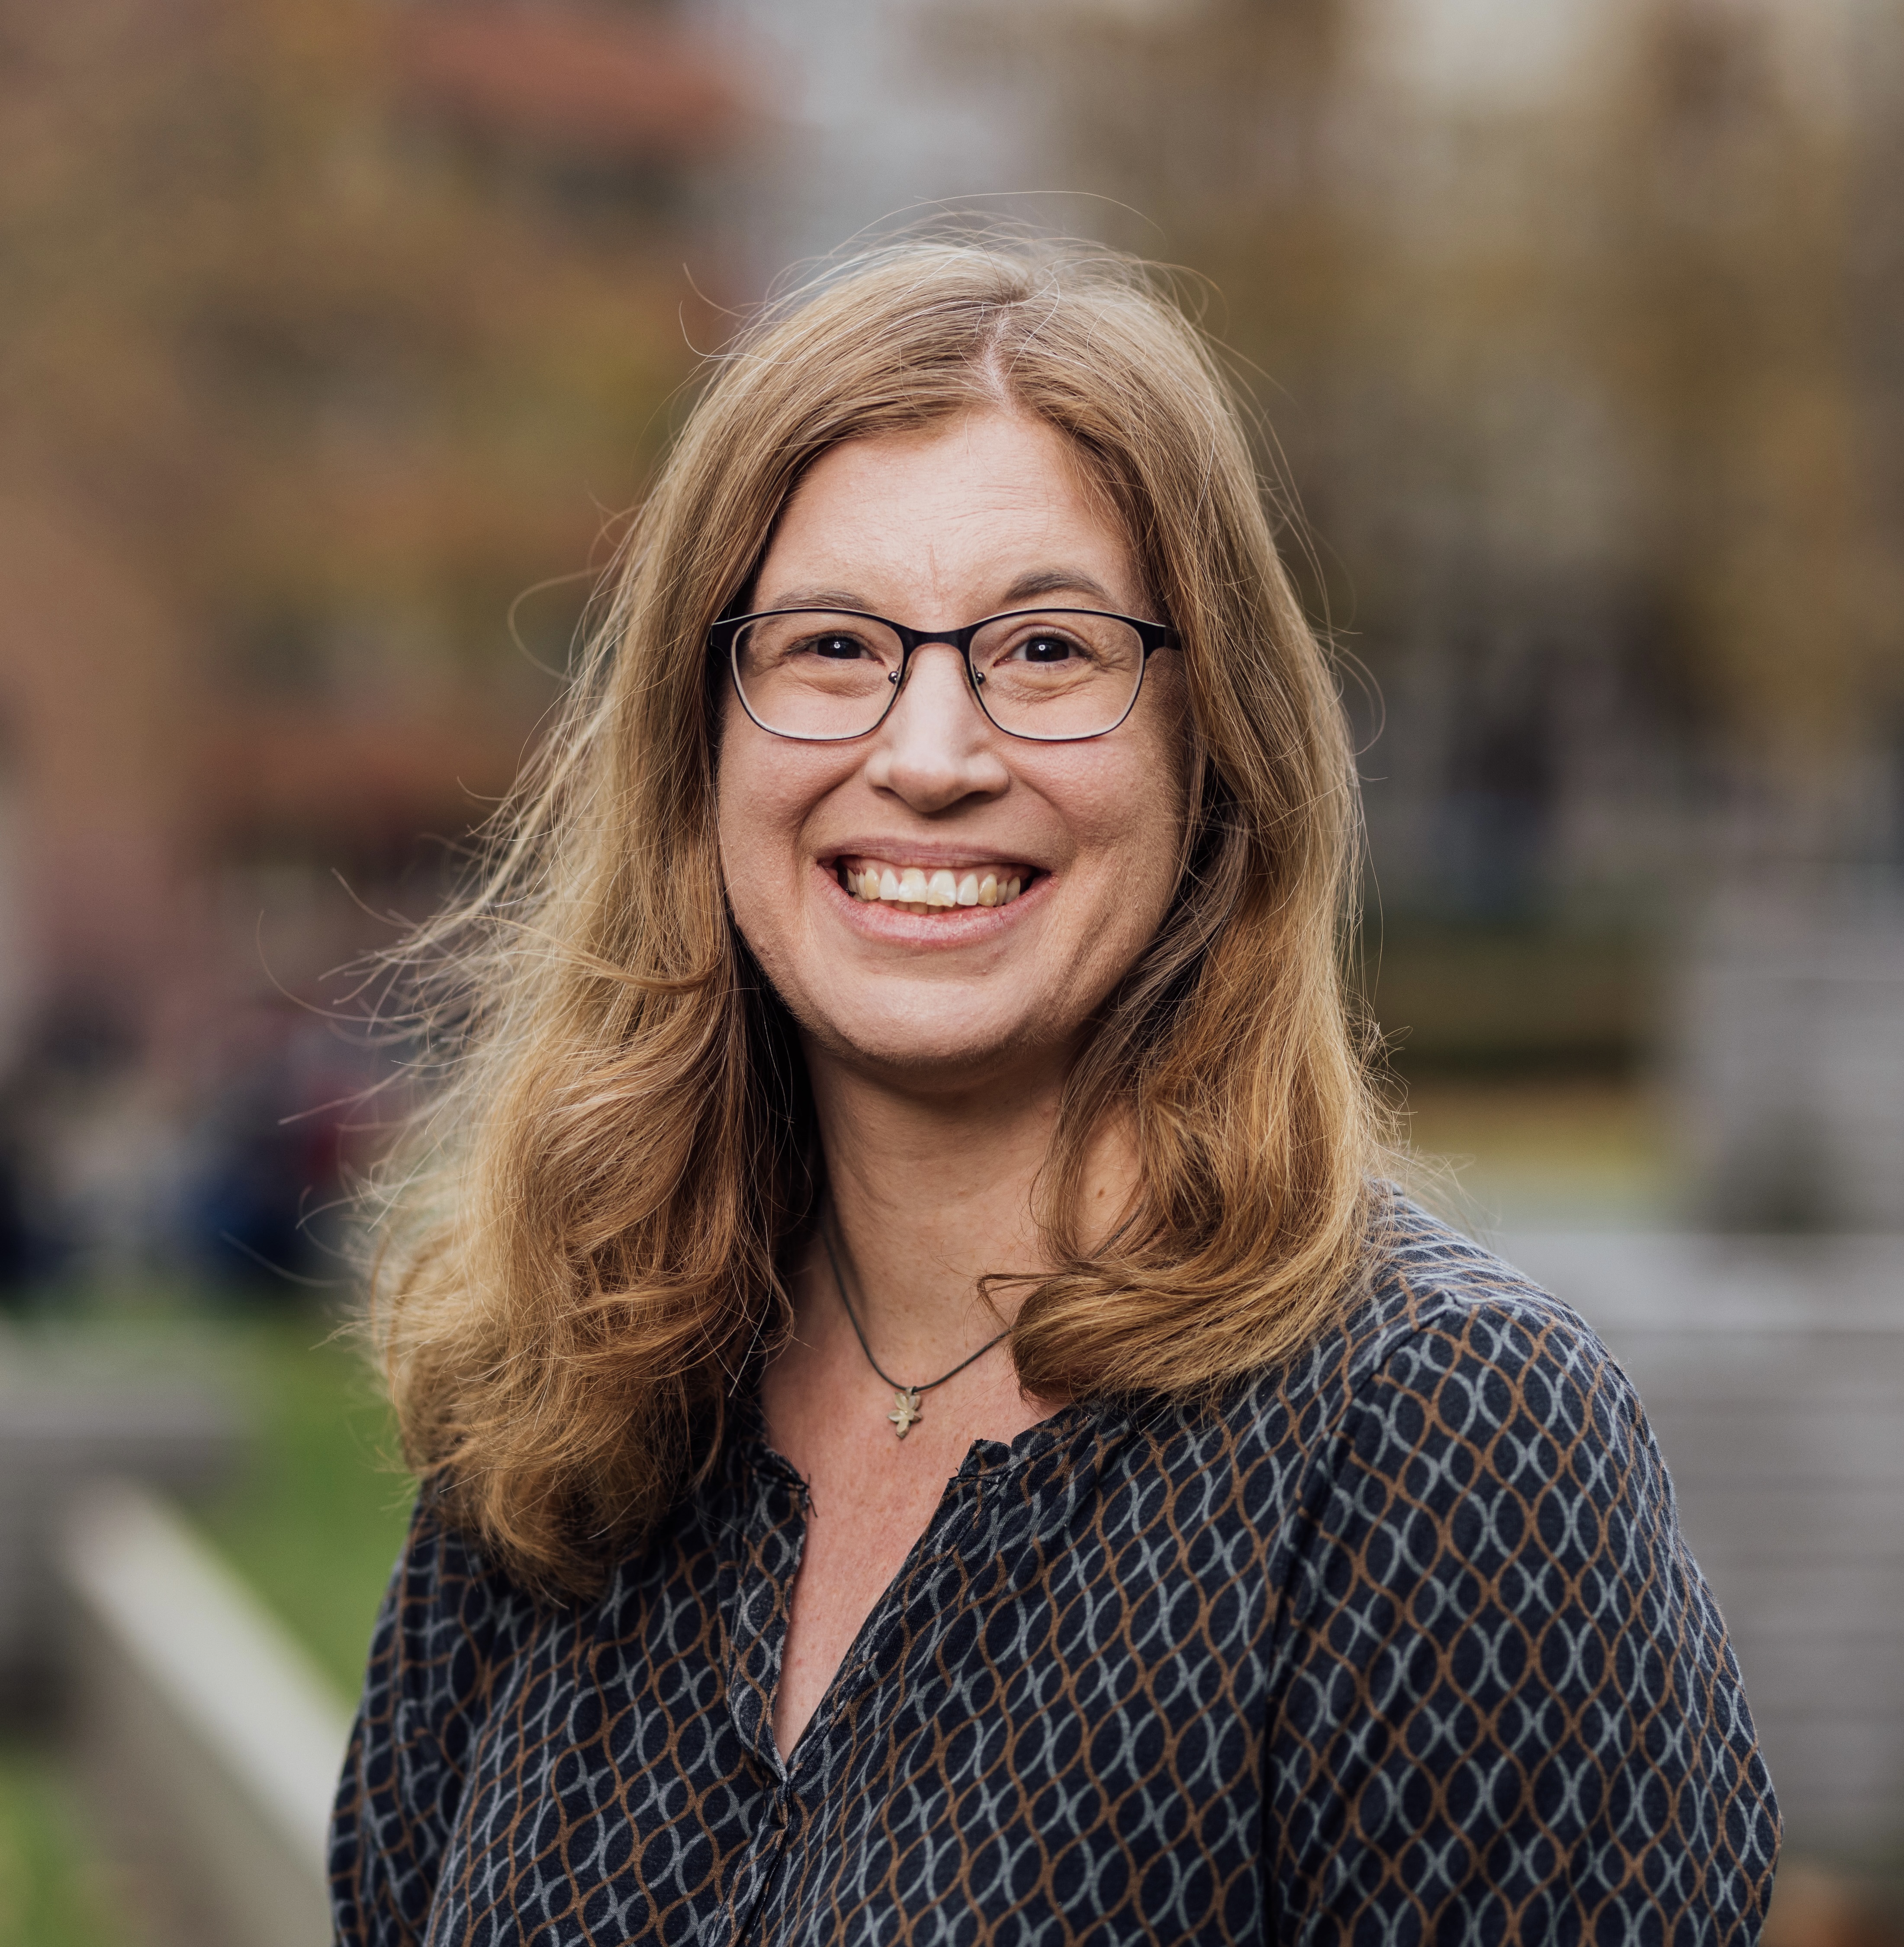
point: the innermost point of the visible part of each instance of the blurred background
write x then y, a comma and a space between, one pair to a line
336, 338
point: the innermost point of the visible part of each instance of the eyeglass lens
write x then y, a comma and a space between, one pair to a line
817, 674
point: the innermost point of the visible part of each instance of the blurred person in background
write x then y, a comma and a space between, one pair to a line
933, 1424
270, 1153
26, 1248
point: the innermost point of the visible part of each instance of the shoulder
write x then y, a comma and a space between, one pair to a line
1446, 1344
1440, 1306
1463, 1431
1429, 1289
1484, 1548
449, 1616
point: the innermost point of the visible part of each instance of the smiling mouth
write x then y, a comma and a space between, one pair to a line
927, 889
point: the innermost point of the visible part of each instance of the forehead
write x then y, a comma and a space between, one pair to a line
954, 509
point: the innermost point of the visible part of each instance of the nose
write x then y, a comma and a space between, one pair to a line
936, 747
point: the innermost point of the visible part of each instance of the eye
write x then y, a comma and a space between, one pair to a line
1044, 647
836, 648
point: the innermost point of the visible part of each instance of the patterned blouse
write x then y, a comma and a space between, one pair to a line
1400, 1644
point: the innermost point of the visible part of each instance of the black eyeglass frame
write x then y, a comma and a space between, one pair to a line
722, 640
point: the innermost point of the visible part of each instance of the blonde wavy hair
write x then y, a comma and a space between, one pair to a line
580, 1263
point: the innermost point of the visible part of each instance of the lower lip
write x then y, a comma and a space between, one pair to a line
957, 926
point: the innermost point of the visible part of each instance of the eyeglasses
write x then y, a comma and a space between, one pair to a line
825, 675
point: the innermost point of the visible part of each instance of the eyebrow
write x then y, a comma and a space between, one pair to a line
1057, 581
1026, 588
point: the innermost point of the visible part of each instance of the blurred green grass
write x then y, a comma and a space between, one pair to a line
54, 1893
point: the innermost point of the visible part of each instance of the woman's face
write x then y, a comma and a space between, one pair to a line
967, 519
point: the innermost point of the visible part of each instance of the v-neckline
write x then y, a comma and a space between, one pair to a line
985, 1460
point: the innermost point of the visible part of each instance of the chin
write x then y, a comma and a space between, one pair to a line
943, 1055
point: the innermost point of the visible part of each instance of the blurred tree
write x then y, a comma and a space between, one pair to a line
1736, 171
1580, 376
325, 335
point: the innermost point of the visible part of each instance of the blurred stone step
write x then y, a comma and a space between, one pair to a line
209, 1743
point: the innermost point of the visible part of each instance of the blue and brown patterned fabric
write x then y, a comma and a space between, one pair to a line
1399, 1644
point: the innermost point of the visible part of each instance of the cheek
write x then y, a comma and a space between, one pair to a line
1130, 814
765, 791
1164, 756
757, 793
745, 800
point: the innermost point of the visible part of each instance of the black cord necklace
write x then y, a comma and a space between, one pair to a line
905, 1399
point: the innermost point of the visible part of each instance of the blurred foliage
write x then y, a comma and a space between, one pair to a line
1746, 333
325, 378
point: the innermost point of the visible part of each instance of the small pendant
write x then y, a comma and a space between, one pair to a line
906, 1403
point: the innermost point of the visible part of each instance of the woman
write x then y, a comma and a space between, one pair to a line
931, 1428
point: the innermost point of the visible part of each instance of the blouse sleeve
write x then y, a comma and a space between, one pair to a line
404, 1766
1511, 1713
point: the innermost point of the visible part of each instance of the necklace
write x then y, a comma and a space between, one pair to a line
905, 1399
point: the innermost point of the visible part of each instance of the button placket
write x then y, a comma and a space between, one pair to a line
757, 1599
767, 1860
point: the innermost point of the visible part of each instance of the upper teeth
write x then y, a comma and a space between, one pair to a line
918, 889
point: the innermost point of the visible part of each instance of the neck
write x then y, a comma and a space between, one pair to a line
930, 1192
